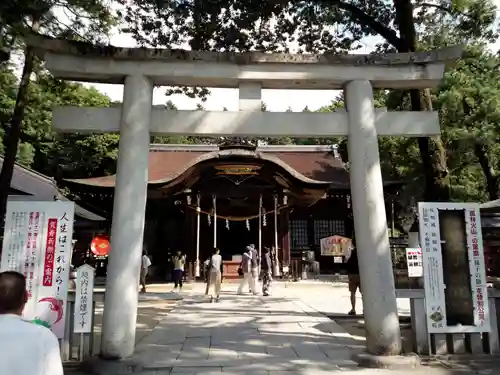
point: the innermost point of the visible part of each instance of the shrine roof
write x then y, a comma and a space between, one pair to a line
310, 164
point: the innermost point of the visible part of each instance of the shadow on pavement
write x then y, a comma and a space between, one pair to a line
257, 335
149, 314
245, 334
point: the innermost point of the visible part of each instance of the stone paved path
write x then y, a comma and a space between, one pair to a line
280, 335
246, 334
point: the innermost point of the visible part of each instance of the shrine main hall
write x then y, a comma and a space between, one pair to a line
235, 194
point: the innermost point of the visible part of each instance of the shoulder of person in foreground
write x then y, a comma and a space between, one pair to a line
52, 363
52, 353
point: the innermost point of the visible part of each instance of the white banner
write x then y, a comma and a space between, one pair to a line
84, 298
477, 267
414, 262
37, 243
433, 267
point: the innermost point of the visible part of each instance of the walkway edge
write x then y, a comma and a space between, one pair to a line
367, 360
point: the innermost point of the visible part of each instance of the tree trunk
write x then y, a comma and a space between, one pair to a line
481, 153
13, 132
432, 151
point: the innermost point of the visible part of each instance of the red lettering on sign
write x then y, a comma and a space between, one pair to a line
48, 266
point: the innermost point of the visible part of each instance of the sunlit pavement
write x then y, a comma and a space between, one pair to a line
245, 333
281, 334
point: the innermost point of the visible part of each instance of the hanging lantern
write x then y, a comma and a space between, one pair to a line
264, 218
227, 224
209, 220
188, 198
285, 200
248, 224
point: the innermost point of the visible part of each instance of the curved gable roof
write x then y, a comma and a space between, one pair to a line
315, 165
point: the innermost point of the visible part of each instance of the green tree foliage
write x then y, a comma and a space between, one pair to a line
72, 19
58, 155
469, 104
315, 26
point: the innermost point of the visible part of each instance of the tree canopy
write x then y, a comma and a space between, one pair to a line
317, 26
57, 155
463, 164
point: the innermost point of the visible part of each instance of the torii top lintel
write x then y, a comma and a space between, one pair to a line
108, 64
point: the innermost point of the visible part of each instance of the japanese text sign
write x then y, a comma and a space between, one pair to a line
414, 262
433, 267
335, 246
37, 243
84, 299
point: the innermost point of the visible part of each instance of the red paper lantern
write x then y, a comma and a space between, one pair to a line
100, 245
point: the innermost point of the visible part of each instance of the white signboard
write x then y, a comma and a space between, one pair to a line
479, 284
84, 298
414, 262
37, 243
336, 246
433, 267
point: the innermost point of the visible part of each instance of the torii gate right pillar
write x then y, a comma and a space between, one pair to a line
370, 224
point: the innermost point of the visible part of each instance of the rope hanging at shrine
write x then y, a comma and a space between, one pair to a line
235, 218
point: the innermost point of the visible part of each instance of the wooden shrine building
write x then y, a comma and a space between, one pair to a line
202, 196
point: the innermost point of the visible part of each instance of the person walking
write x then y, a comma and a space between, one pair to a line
352, 269
245, 268
206, 263
25, 348
145, 264
254, 269
215, 275
179, 260
266, 270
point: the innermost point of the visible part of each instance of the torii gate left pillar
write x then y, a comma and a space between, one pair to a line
127, 227
250, 73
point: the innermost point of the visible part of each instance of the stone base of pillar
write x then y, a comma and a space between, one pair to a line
393, 362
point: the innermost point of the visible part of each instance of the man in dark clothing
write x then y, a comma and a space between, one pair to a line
352, 269
267, 267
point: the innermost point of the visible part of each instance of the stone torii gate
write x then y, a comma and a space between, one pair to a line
136, 119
